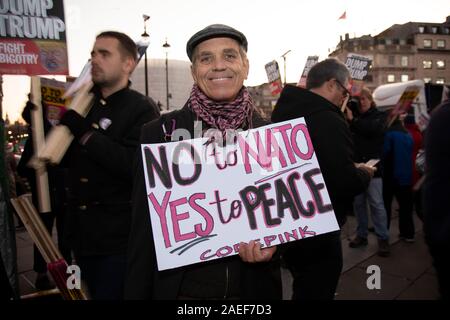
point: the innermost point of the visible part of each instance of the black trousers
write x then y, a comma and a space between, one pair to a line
404, 197
316, 265
104, 275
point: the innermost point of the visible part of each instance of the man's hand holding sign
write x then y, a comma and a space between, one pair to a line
252, 252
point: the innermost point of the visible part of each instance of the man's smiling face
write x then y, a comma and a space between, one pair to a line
219, 68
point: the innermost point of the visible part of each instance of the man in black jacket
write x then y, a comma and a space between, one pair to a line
100, 173
368, 129
316, 263
219, 101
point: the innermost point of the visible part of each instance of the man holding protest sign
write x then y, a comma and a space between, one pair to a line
220, 102
316, 263
99, 170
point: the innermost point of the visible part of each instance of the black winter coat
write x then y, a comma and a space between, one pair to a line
437, 182
332, 143
143, 281
100, 174
368, 135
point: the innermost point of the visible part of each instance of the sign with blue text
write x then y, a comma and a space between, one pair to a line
205, 198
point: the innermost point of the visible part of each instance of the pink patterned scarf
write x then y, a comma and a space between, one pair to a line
222, 115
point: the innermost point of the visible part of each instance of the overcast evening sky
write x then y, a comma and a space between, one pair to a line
272, 27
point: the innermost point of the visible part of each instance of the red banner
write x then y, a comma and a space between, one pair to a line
33, 57
274, 77
33, 38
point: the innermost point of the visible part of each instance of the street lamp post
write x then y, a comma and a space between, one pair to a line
284, 60
166, 47
145, 36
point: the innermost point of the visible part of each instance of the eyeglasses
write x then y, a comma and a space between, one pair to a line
346, 92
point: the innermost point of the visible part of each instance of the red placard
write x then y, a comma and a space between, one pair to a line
33, 38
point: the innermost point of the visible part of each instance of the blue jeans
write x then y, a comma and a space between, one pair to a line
374, 196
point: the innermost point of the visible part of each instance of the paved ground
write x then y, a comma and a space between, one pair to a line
406, 274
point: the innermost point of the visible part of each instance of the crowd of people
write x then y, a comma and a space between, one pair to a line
99, 194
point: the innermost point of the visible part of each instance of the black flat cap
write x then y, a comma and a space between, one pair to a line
215, 31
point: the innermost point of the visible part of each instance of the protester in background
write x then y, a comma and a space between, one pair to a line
11, 169
100, 166
220, 101
17, 186
316, 263
417, 137
436, 194
397, 176
58, 199
368, 133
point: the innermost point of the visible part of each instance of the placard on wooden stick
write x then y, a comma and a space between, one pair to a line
56, 264
60, 137
37, 128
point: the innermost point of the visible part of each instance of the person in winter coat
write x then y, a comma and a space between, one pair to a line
100, 171
316, 263
368, 132
219, 101
436, 191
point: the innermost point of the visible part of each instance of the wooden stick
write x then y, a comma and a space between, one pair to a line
38, 227
23, 214
37, 127
41, 294
56, 264
82, 101
53, 252
57, 143
391, 121
60, 137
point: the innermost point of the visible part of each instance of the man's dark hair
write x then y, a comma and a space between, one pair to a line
126, 45
325, 70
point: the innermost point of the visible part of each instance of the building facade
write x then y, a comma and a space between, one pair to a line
410, 51
180, 82
263, 99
